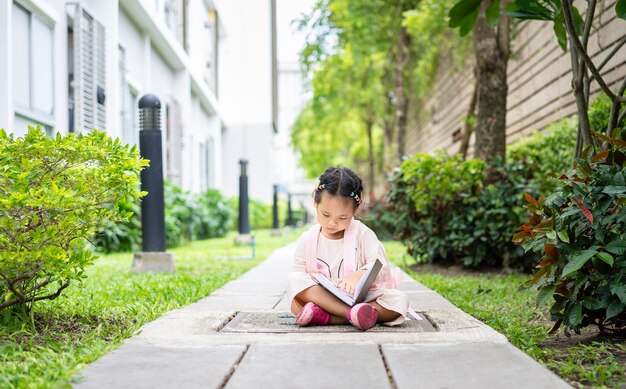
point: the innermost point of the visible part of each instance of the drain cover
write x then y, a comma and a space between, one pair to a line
284, 322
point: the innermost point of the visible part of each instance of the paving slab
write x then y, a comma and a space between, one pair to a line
423, 300
271, 288
244, 336
141, 366
221, 302
466, 365
308, 366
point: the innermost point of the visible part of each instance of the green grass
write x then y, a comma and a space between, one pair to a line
497, 301
86, 322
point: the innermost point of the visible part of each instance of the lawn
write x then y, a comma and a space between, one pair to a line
86, 322
586, 360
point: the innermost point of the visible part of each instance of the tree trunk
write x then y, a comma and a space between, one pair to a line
491, 48
371, 162
402, 100
468, 128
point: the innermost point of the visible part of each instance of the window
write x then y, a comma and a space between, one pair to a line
174, 142
33, 70
88, 73
128, 104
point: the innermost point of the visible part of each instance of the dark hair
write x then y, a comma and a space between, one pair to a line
340, 181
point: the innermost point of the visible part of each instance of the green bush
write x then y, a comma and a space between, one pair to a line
187, 217
580, 231
548, 153
216, 219
442, 210
124, 235
54, 194
260, 213
599, 111
376, 215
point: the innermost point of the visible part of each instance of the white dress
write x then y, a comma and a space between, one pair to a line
329, 255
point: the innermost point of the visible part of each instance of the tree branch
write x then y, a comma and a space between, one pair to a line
619, 45
54, 295
9, 303
581, 51
614, 116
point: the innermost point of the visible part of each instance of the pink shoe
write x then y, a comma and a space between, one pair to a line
363, 316
311, 314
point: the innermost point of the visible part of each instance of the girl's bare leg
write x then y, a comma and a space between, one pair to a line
384, 314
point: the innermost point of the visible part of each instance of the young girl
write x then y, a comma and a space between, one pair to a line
337, 198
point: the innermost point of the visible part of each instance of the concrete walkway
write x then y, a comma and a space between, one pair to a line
242, 336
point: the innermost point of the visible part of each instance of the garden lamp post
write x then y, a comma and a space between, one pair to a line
289, 211
153, 258
275, 227
244, 223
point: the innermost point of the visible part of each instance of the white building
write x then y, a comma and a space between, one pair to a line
77, 65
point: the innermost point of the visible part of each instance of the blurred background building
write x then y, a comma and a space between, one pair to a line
72, 66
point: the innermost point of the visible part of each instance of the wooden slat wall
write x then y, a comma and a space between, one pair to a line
539, 79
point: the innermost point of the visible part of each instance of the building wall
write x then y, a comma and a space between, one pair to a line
142, 54
539, 80
246, 95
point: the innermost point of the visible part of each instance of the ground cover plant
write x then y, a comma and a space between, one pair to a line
85, 323
587, 360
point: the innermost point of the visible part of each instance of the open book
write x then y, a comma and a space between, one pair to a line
360, 290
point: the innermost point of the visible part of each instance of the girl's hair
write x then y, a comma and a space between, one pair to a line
340, 181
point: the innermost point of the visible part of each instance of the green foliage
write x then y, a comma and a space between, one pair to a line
438, 181
124, 235
440, 210
430, 38
497, 301
260, 214
55, 194
464, 15
599, 111
187, 217
620, 9
580, 231
548, 11
549, 153
352, 54
113, 304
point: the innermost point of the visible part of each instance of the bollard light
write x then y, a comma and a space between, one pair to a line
153, 258
275, 227
152, 206
244, 223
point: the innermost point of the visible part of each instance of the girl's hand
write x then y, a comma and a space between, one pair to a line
348, 283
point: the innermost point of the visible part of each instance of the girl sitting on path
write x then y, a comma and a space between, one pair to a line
336, 200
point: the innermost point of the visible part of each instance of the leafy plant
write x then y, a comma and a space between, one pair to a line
580, 232
548, 153
444, 211
54, 194
124, 235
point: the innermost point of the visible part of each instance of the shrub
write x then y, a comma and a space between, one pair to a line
548, 152
260, 213
54, 194
580, 232
187, 217
441, 209
215, 220
376, 215
124, 235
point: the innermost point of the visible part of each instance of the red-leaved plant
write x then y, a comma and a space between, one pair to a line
580, 232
